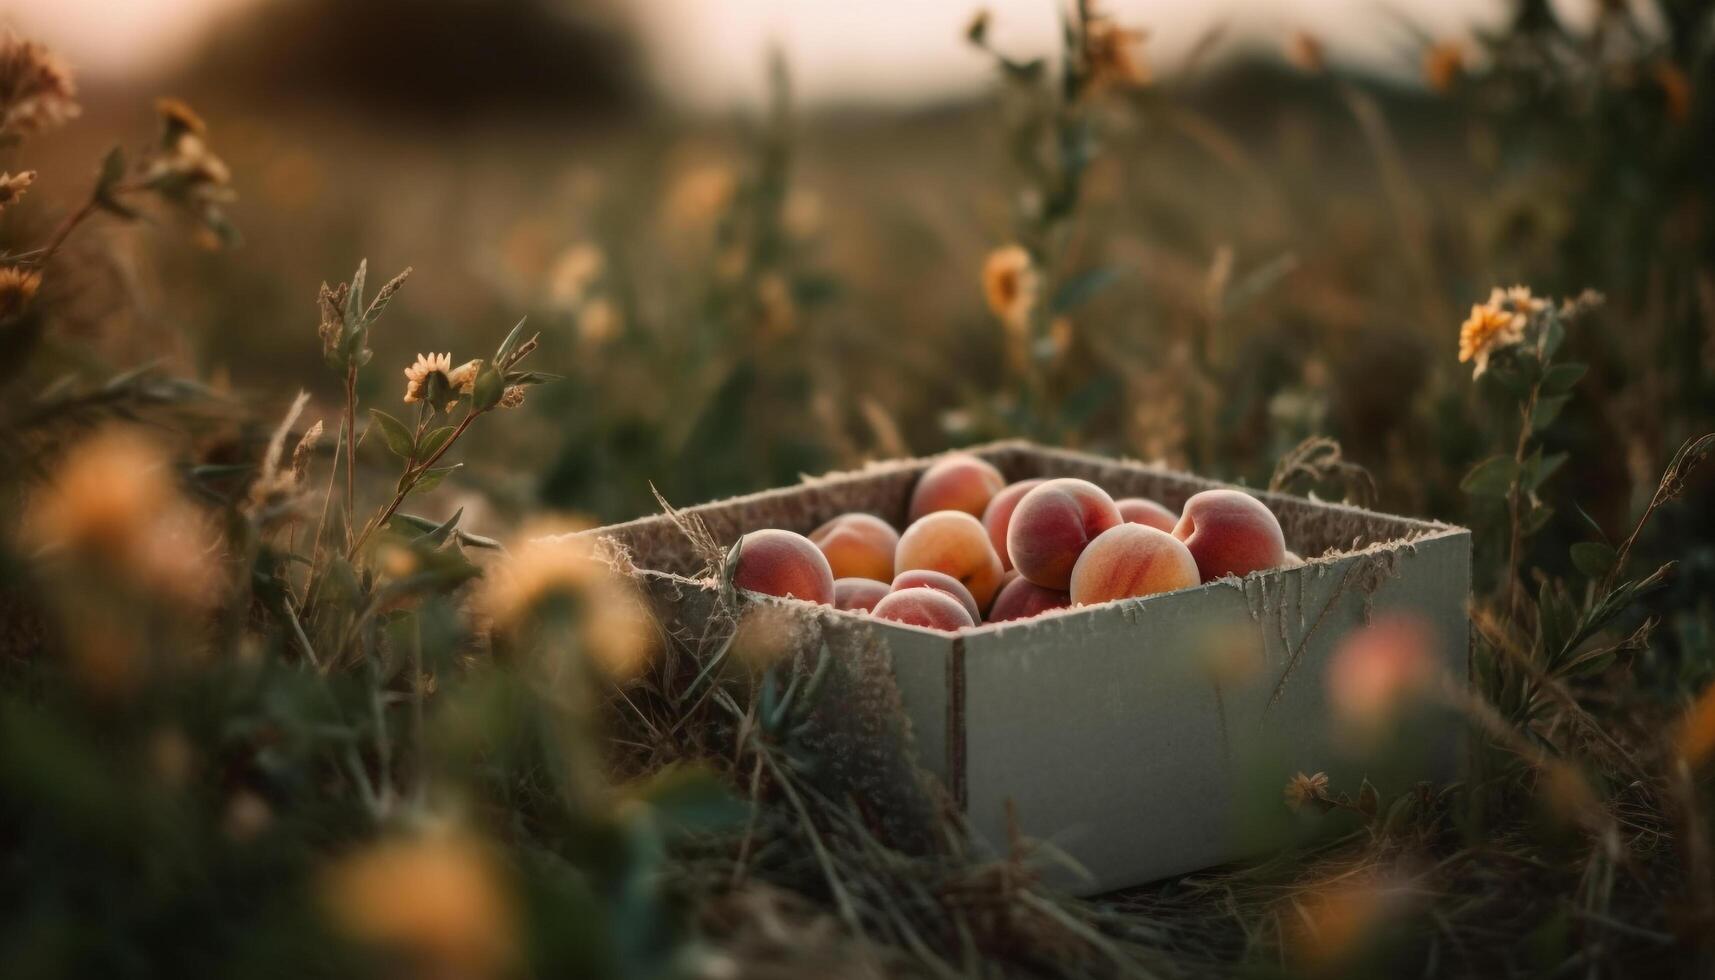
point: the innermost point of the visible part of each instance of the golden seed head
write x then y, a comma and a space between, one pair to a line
463, 378
12, 186
37, 91
1302, 790
1111, 55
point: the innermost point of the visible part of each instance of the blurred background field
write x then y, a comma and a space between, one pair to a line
753, 238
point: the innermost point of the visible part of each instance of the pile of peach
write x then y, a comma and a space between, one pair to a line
980, 550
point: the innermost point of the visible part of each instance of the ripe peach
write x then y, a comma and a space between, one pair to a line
998, 515
858, 594
953, 542
1053, 524
923, 606
1021, 599
923, 578
957, 482
1131, 560
782, 563
858, 546
1230, 533
1142, 510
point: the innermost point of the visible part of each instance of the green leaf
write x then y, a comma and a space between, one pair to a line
398, 437
1546, 409
354, 299
1561, 377
433, 440
1593, 558
107, 180
1553, 333
511, 341
489, 387
432, 478
531, 377
1493, 477
1082, 288
1538, 468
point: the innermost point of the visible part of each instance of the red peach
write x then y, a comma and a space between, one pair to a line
1021, 599
953, 542
923, 578
858, 594
998, 515
956, 482
1053, 524
923, 607
1131, 560
858, 546
782, 563
1142, 510
1230, 533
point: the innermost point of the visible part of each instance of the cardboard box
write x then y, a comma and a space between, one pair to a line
1111, 730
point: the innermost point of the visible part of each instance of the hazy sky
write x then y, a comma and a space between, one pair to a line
709, 51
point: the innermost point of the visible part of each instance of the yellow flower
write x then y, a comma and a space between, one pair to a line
1443, 62
1010, 283
1489, 328
1110, 55
114, 504
611, 623
423, 371
1302, 790
438, 898
17, 288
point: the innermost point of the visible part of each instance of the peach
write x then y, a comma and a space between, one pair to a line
858, 594
783, 563
953, 542
956, 482
923, 578
858, 546
924, 606
1021, 599
1230, 533
1052, 525
1292, 560
1142, 510
998, 515
1131, 560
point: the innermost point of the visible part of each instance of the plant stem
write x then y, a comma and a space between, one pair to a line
413, 473
350, 446
1515, 539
